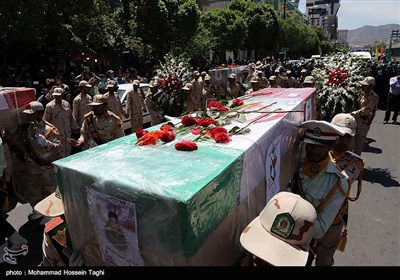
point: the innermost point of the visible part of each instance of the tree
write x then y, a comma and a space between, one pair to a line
227, 30
262, 24
262, 27
164, 24
300, 38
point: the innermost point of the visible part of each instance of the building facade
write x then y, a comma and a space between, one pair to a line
323, 13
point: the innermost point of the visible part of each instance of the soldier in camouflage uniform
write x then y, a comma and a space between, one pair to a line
262, 81
189, 102
100, 125
368, 105
135, 107
33, 146
197, 90
80, 104
232, 87
209, 92
155, 111
113, 101
58, 112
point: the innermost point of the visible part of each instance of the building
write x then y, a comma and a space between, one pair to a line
342, 36
323, 13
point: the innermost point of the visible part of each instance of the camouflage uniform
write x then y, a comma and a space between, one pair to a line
80, 107
262, 82
33, 176
108, 127
155, 111
115, 105
364, 116
60, 115
233, 89
135, 107
197, 93
209, 93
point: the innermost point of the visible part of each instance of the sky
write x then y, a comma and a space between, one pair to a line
354, 14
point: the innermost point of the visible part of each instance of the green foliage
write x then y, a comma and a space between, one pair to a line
226, 27
166, 24
262, 26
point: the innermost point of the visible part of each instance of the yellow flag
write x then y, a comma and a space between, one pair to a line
376, 52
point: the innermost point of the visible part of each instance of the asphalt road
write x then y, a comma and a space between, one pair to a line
374, 220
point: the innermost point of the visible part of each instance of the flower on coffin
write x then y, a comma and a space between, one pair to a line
165, 134
140, 132
186, 145
204, 125
219, 134
237, 102
216, 106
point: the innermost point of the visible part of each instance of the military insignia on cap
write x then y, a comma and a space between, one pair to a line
347, 121
283, 225
317, 132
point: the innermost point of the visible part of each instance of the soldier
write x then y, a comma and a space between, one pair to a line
80, 105
155, 111
350, 165
364, 116
303, 74
209, 92
58, 112
262, 81
203, 75
100, 125
272, 82
197, 90
113, 101
321, 183
232, 87
33, 146
135, 107
290, 82
189, 101
308, 82
254, 86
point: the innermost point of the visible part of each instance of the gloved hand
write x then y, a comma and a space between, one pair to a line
41, 140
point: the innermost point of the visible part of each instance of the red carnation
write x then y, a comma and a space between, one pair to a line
188, 121
218, 129
166, 127
237, 102
206, 122
140, 132
167, 136
185, 145
221, 137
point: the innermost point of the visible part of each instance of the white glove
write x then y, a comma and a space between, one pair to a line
41, 140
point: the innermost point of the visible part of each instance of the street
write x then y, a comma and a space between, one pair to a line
374, 223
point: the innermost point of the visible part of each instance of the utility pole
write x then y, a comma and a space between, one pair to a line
284, 10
